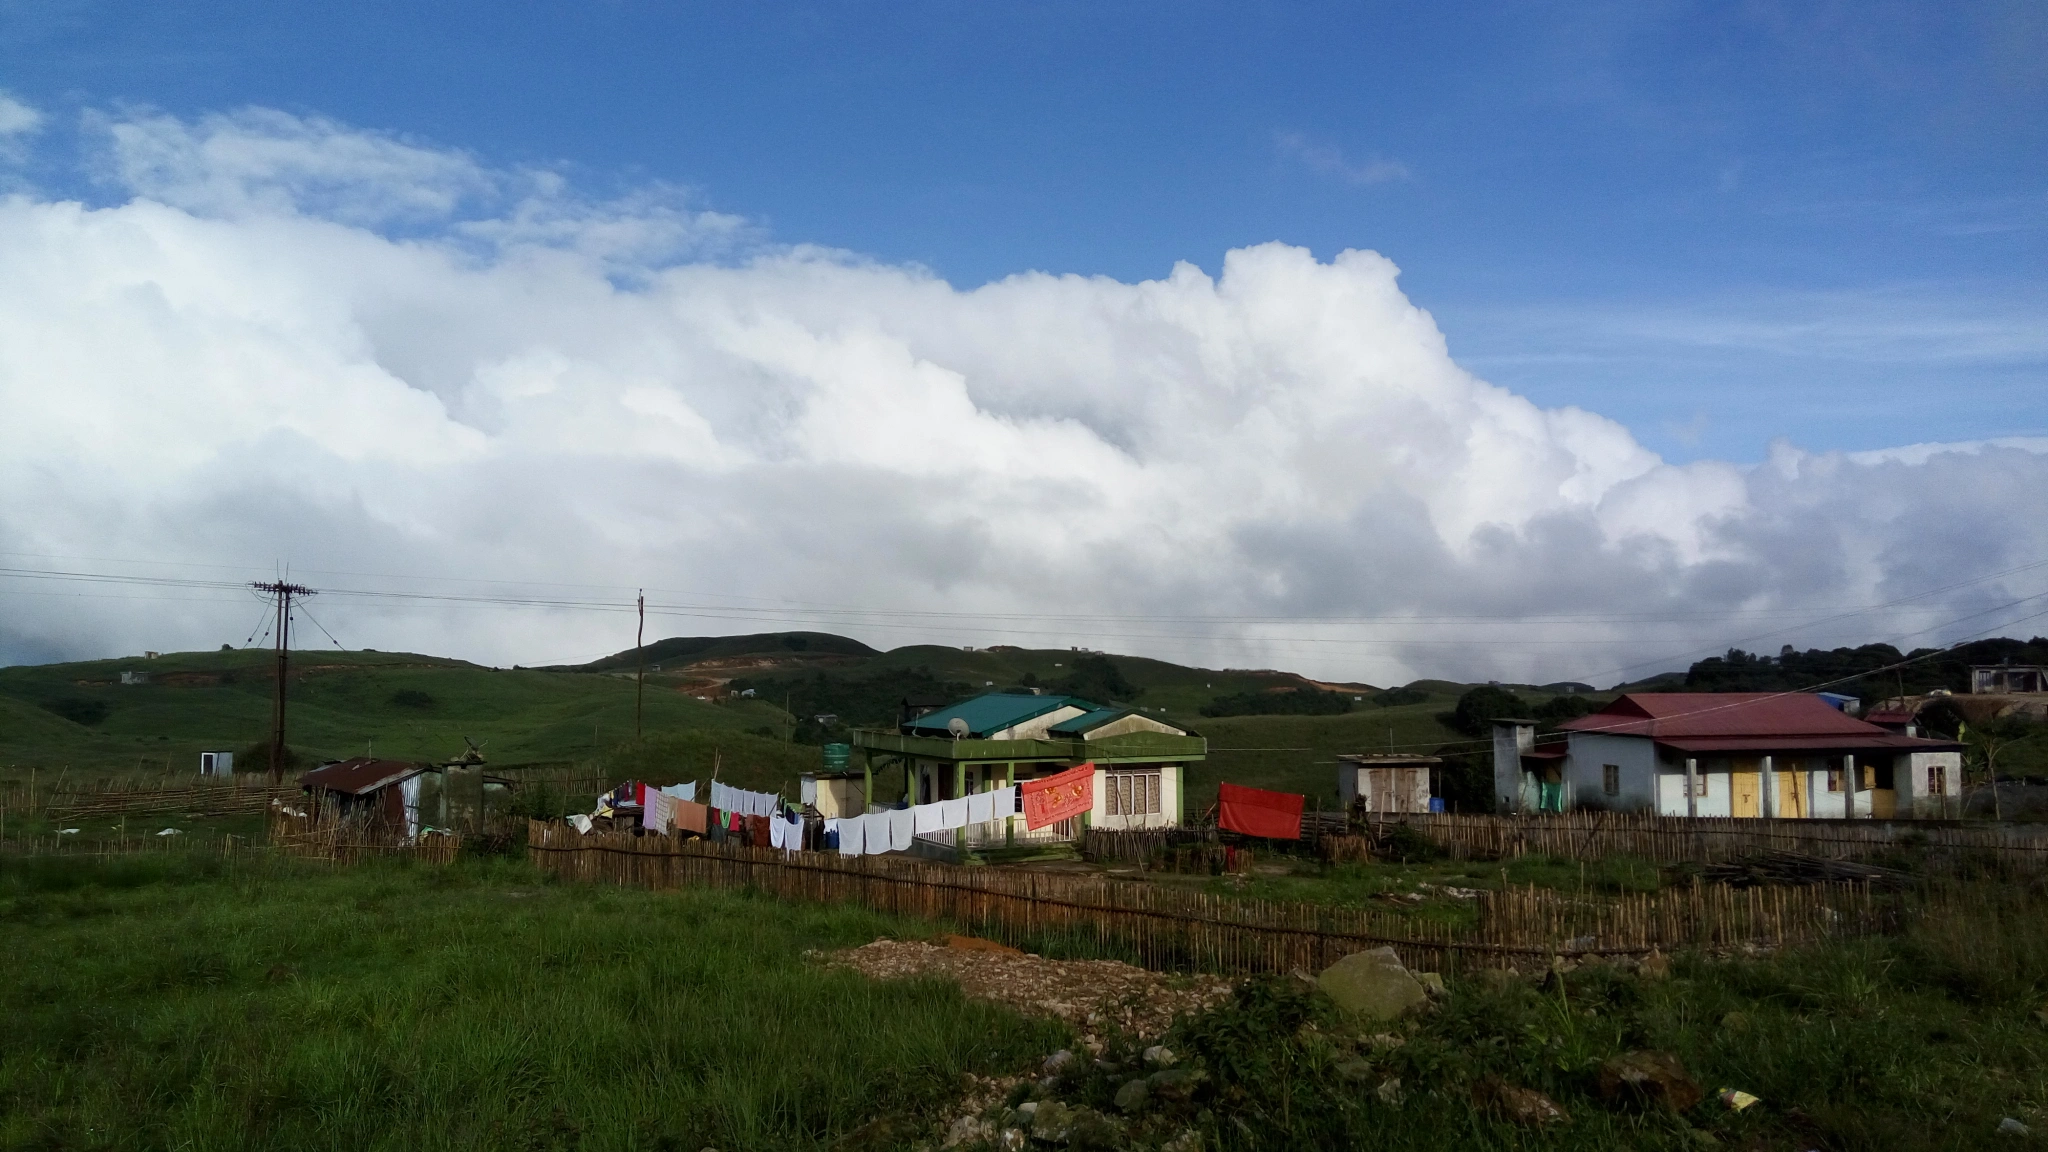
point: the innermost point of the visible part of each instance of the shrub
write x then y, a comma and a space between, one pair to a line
78, 709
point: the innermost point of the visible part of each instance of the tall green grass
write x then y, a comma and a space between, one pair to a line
192, 1003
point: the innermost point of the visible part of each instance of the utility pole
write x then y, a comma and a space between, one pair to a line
283, 592
640, 676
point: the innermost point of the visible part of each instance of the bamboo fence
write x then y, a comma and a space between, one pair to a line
1168, 927
1705, 839
200, 798
347, 841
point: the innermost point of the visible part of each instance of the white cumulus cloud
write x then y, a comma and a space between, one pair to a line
398, 367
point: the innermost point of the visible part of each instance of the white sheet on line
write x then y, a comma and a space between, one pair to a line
954, 814
1006, 802
981, 808
850, 836
902, 829
927, 817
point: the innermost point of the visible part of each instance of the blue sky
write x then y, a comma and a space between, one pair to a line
1716, 223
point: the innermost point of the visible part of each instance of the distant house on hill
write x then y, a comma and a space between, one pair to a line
1381, 782
1791, 755
2007, 679
1001, 740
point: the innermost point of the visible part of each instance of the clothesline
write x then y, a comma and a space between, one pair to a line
892, 830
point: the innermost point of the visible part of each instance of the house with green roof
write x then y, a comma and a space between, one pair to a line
1001, 740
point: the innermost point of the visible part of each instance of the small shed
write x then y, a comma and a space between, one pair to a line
1384, 782
384, 792
216, 763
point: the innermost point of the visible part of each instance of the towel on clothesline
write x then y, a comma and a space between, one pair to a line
981, 807
902, 829
954, 814
681, 791
927, 817
1005, 802
692, 817
850, 836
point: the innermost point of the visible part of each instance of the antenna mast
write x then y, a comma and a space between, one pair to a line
640, 676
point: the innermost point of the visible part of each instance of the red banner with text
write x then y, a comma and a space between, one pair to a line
1060, 797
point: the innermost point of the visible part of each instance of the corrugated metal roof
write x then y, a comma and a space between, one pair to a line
991, 712
360, 775
1742, 721
1088, 721
1665, 715
1881, 742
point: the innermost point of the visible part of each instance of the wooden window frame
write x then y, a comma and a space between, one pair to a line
1610, 779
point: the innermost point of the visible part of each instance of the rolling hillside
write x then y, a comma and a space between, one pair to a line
80, 717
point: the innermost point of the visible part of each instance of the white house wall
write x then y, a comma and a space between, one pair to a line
1037, 727
1585, 772
1169, 803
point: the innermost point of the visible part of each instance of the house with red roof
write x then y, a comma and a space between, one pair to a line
1792, 755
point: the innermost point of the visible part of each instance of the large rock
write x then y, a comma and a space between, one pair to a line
1645, 1078
1516, 1104
1372, 984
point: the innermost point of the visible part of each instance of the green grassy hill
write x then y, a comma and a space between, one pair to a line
406, 706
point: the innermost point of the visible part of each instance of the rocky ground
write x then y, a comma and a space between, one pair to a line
1097, 997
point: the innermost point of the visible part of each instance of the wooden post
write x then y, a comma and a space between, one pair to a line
1010, 825
1692, 786
1849, 786
867, 794
1767, 780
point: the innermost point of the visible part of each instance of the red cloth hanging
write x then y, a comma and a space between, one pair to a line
1060, 797
1257, 812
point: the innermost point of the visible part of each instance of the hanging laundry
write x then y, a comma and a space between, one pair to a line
953, 813
777, 834
927, 818
828, 839
692, 817
1060, 797
793, 835
1257, 812
581, 823
981, 808
660, 808
1005, 801
850, 840
902, 829
876, 831
681, 791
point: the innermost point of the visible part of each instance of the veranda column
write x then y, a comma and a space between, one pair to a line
1768, 781
1692, 787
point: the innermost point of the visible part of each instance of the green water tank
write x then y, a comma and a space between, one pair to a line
837, 756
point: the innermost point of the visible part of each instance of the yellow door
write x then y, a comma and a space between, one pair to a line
1745, 788
1884, 803
1792, 794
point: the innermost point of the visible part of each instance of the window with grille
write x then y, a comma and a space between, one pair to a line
1610, 779
1131, 793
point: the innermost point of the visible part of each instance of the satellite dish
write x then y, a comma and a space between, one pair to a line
958, 728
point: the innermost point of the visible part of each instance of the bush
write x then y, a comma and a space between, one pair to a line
1479, 707
1293, 702
1396, 697
412, 698
78, 709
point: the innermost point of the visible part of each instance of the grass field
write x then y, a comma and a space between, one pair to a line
182, 1003
187, 1002
342, 704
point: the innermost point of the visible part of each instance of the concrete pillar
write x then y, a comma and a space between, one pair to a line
960, 790
1849, 783
1010, 825
1767, 779
1512, 740
1692, 786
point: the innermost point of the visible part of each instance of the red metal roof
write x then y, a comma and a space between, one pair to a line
360, 775
1734, 721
